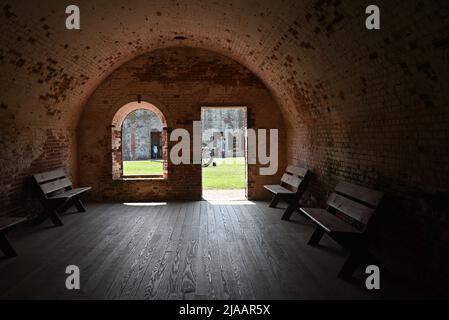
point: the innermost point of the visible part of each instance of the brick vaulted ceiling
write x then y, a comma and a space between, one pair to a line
300, 49
62, 68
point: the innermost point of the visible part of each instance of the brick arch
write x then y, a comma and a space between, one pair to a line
126, 109
116, 135
178, 81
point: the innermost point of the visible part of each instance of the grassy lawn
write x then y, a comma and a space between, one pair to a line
142, 168
228, 174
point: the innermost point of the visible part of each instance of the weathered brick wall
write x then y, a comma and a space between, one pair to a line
26, 151
179, 81
375, 112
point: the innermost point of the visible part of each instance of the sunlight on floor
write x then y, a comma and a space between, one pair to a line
145, 204
231, 202
225, 196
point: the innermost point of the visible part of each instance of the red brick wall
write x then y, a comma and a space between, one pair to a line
178, 81
28, 151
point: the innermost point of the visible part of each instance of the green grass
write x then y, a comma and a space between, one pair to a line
131, 168
228, 174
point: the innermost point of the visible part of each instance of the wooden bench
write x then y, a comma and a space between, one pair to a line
6, 224
349, 209
57, 195
293, 184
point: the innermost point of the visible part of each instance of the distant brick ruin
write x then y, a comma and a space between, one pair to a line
141, 133
227, 125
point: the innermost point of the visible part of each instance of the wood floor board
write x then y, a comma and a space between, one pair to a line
176, 250
111, 268
139, 265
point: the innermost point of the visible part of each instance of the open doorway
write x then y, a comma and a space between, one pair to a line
224, 165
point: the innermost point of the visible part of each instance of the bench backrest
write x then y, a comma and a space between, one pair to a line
52, 181
293, 176
356, 202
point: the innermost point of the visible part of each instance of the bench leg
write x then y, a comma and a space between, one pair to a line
288, 212
55, 218
316, 236
274, 201
65, 207
49, 213
292, 206
79, 205
350, 266
6, 247
40, 219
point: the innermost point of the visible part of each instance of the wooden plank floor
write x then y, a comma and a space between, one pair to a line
178, 250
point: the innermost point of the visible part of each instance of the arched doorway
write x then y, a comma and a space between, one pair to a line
139, 141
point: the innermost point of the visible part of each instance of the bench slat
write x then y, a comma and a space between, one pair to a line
291, 180
297, 171
277, 189
369, 196
50, 175
353, 209
328, 221
70, 193
56, 185
8, 222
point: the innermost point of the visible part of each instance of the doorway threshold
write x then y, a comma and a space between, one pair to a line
228, 195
